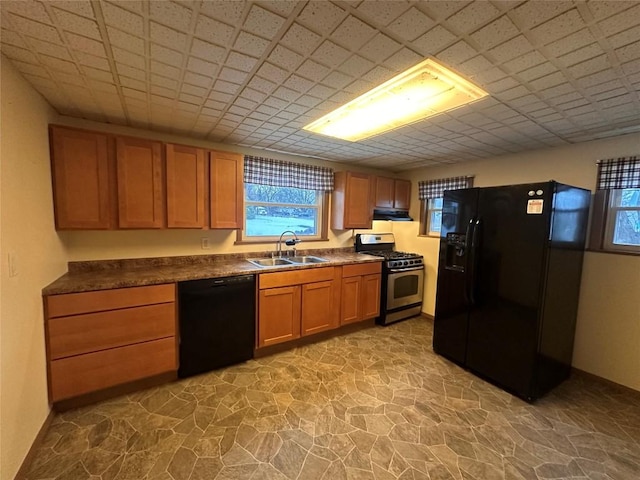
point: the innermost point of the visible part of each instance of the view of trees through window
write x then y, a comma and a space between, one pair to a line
270, 210
626, 211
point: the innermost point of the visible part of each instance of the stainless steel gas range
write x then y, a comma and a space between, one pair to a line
402, 277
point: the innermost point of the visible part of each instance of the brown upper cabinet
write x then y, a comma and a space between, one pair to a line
186, 195
140, 179
392, 193
82, 176
351, 201
226, 189
105, 181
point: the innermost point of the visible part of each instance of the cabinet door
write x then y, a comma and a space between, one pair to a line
80, 167
278, 315
384, 192
351, 202
402, 195
351, 310
317, 307
140, 195
226, 189
371, 285
185, 187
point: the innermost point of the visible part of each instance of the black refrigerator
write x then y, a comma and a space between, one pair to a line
509, 281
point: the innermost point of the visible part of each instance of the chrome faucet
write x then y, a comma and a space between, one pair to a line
292, 242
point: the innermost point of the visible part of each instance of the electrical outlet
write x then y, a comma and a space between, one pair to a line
204, 243
13, 264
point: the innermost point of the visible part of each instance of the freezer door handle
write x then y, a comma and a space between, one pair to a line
467, 265
473, 262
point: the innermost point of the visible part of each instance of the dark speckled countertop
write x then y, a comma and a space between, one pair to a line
106, 274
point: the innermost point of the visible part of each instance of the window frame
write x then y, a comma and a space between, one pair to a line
426, 211
613, 207
323, 218
603, 224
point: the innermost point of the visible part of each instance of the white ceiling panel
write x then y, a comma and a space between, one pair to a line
254, 73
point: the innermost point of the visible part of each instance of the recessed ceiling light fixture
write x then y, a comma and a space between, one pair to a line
424, 90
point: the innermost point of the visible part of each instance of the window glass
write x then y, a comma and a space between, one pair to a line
270, 210
431, 217
623, 230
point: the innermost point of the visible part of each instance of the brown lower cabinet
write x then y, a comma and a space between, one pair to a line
297, 303
361, 284
97, 340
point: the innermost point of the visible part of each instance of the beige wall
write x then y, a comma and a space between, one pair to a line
608, 328
28, 234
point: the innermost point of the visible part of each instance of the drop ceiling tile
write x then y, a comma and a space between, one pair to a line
457, 54
537, 71
166, 55
352, 33
285, 58
250, 44
590, 66
629, 52
59, 65
226, 87
272, 72
597, 78
202, 68
330, 54
472, 17
164, 69
411, 25
359, 87
170, 14
383, 12
207, 51
263, 22
624, 38
548, 81
300, 39
228, 11
356, 66
621, 21
559, 27
474, 66
35, 29
51, 49
530, 14
77, 24
203, 81
379, 48
403, 60
88, 60
262, 85
378, 75
570, 43
308, 101
298, 83
166, 36
126, 41
525, 62
511, 49
434, 40
30, 69
86, 45
322, 17
283, 7
312, 70
232, 75
122, 19
496, 32
128, 58
213, 31
131, 72
132, 83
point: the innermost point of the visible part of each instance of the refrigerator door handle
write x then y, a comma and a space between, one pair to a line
467, 265
475, 246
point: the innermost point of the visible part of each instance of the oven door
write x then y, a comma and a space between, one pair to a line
404, 287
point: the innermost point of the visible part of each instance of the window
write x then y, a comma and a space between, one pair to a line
431, 194
615, 221
271, 210
281, 196
623, 220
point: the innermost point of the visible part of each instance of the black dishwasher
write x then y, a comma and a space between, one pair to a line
217, 323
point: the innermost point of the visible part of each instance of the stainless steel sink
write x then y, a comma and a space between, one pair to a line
306, 259
269, 262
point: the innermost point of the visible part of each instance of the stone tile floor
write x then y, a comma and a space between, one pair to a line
376, 404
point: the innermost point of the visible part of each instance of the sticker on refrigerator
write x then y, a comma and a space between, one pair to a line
534, 206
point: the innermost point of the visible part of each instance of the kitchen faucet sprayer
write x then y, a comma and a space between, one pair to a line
291, 242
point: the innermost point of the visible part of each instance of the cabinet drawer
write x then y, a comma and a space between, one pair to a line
361, 269
98, 331
295, 277
82, 374
85, 302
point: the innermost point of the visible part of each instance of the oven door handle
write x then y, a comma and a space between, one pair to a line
402, 270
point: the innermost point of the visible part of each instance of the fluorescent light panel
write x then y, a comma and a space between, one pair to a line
424, 90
